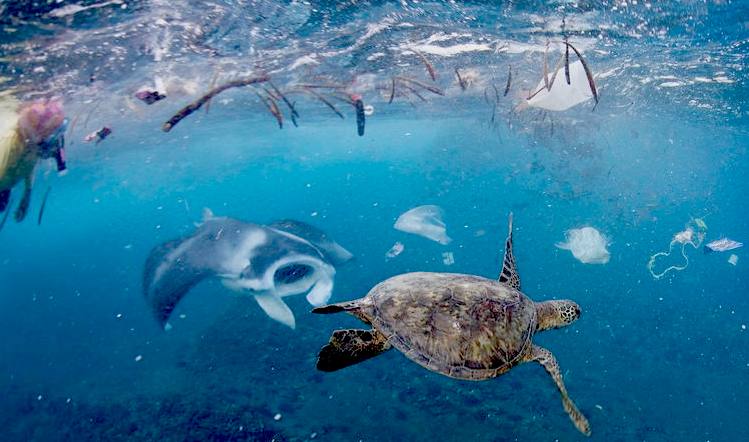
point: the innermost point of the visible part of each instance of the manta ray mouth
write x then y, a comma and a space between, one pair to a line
291, 273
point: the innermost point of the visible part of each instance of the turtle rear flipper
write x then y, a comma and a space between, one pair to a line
349, 347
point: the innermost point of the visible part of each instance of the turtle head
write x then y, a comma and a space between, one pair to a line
556, 314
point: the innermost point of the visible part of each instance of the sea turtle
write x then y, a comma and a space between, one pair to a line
461, 326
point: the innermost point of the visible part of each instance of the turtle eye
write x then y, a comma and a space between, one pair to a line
569, 313
291, 273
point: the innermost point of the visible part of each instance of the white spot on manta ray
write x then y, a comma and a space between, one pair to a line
239, 258
171, 257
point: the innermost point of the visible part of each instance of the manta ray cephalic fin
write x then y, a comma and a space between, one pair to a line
274, 307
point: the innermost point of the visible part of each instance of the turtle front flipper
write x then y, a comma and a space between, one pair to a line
547, 360
349, 347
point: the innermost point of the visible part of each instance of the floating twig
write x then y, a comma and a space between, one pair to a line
195, 105
321, 86
392, 91
567, 61
462, 82
213, 84
270, 103
428, 65
326, 102
344, 98
588, 73
414, 91
509, 80
432, 89
44, 204
294, 113
546, 67
553, 78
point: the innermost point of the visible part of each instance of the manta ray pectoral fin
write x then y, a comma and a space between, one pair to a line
274, 307
167, 277
331, 250
320, 293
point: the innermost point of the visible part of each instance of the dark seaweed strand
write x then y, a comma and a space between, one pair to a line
461, 82
546, 68
556, 71
41, 209
342, 98
195, 105
321, 86
270, 103
428, 65
285, 100
7, 212
392, 91
432, 89
509, 80
213, 84
274, 109
327, 103
588, 73
553, 78
567, 61
414, 91
360, 117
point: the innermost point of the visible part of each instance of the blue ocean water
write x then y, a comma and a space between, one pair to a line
82, 358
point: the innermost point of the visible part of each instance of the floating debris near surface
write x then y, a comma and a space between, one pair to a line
396, 250
197, 104
587, 245
44, 204
733, 259
722, 245
149, 97
98, 136
424, 221
447, 258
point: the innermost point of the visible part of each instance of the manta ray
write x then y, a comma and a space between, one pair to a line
267, 262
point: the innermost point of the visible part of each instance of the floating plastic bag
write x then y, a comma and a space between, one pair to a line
722, 245
424, 221
733, 259
563, 96
396, 250
587, 245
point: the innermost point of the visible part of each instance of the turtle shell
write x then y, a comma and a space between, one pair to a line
462, 326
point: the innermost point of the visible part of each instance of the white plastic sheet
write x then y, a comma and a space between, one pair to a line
587, 245
424, 221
